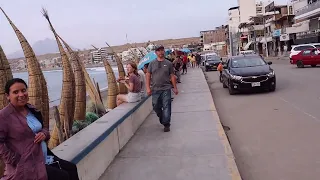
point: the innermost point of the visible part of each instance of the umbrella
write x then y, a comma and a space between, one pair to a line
167, 52
186, 50
151, 56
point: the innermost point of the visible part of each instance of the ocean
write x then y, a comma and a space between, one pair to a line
54, 81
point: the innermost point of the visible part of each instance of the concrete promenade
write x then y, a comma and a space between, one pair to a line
196, 147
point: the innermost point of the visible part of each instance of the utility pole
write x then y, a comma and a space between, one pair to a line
265, 35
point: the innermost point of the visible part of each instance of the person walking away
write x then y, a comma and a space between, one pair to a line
23, 138
193, 61
198, 60
220, 69
133, 83
177, 64
160, 72
185, 64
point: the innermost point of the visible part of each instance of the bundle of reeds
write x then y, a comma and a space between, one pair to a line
5, 75
67, 101
80, 84
122, 88
112, 84
37, 87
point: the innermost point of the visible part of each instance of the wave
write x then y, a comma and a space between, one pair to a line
102, 69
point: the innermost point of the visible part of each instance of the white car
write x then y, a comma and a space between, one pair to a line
298, 48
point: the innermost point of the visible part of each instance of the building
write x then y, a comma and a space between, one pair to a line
247, 9
306, 25
215, 40
233, 30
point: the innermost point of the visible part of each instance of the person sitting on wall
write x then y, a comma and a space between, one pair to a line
23, 139
133, 83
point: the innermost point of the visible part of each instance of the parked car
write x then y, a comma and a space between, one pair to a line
298, 48
206, 56
245, 72
212, 62
306, 57
247, 52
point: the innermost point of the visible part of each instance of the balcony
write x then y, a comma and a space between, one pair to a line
308, 11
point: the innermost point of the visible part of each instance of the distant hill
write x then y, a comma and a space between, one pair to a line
41, 47
55, 52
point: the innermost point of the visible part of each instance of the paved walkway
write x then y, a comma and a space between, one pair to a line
196, 147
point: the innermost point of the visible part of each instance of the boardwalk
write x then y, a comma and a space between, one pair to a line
196, 147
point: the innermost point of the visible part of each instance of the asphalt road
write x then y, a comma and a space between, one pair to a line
274, 136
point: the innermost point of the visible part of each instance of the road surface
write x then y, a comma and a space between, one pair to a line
274, 136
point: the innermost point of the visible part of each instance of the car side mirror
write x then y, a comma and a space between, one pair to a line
269, 62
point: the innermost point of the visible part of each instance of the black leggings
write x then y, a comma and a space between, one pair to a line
63, 170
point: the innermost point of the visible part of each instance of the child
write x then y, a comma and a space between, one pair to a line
220, 68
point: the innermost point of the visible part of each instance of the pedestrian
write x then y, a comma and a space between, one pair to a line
142, 73
185, 64
193, 61
198, 60
220, 69
161, 73
177, 65
23, 139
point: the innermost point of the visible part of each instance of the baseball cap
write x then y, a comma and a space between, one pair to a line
159, 47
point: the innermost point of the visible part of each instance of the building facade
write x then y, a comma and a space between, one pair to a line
233, 29
247, 9
306, 27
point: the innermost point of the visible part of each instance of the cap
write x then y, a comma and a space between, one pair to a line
159, 47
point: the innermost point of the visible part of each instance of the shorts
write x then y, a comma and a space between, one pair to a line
133, 97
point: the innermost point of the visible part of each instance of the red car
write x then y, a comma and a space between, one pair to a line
306, 57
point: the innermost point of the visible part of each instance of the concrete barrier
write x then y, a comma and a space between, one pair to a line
94, 148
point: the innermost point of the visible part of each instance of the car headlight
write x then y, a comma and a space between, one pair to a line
271, 74
207, 64
236, 77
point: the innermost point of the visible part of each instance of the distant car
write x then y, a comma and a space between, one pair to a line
212, 62
296, 49
246, 72
306, 57
247, 52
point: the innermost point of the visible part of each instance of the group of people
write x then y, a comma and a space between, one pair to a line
23, 138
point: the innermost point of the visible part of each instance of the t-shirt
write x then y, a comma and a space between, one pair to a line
143, 83
160, 74
136, 83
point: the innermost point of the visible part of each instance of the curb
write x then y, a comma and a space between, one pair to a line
231, 163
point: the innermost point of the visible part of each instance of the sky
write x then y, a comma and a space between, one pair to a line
82, 22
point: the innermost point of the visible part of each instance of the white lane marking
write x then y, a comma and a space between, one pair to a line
299, 109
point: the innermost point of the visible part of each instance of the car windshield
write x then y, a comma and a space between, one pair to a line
213, 58
247, 62
317, 46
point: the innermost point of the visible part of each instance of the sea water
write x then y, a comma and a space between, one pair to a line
54, 81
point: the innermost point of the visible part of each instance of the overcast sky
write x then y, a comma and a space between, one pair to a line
83, 22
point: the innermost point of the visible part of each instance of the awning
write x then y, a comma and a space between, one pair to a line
248, 45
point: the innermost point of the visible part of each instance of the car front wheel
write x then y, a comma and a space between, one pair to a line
231, 90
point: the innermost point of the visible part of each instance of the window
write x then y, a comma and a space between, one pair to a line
306, 52
247, 62
301, 48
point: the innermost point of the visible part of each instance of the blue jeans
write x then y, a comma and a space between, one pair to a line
161, 102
